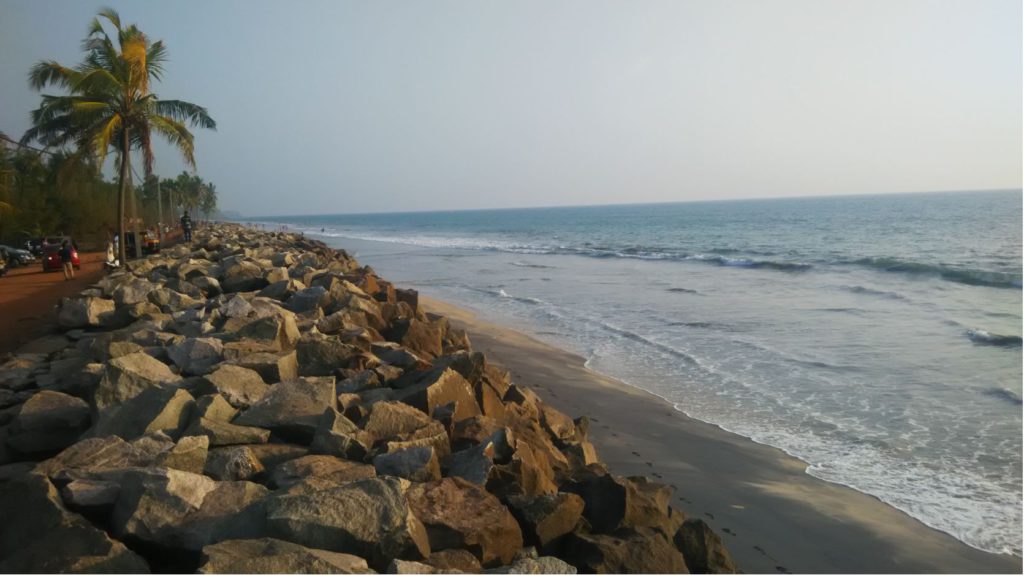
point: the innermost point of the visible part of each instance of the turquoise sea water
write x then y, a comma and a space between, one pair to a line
876, 337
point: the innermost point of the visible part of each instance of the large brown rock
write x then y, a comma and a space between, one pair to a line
414, 464
438, 388
419, 336
84, 312
322, 355
615, 502
291, 408
545, 518
47, 422
279, 332
130, 375
221, 433
369, 518
641, 551
337, 435
272, 367
397, 426
267, 555
164, 409
326, 467
241, 387
104, 453
703, 549
39, 536
188, 454
235, 463
461, 515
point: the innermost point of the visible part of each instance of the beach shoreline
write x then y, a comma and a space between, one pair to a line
775, 516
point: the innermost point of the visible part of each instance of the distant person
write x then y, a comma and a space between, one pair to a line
65, 260
186, 227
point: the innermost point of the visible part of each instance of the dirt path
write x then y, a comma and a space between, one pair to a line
29, 297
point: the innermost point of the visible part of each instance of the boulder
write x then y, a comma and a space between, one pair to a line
614, 502
703, 549
47, 422
536, 565
236, 307
281, 289
243, 276
336, 435
326, 467
642, 551
545, 518
214, 407
272, 367
451, 560
210, 286
236, 463
291, 408
414, 464
133, 291
90, 495
460, 515
268, 555
128, 376
221, 433
322, 355
369, 518
84, 312
279, 332
188, 454
398, 426
419, 336
307, 299
153, 503
441, 387
40, 536
164, 409
196, 356
104, 453
241, 387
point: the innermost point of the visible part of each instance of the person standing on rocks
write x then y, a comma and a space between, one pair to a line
186, 227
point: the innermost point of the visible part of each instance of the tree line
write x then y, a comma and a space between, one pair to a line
61, 193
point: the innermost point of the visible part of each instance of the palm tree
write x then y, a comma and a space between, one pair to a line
110, 104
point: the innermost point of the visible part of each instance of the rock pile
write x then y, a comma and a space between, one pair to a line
259, 402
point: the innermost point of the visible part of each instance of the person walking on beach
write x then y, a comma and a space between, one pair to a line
186, 227
65, 261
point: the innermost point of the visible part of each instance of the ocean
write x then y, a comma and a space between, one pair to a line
877, 338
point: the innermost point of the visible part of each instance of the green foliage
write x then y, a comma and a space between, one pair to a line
109, 106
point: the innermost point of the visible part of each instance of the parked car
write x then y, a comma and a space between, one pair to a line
51, 257
150, 243
35, 245
16, 257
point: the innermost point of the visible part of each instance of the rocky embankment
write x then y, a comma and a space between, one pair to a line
259, 402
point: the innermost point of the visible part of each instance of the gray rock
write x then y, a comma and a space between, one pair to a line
369, 518
545, 518
326, 467
536, 565
243, 276
308, 299
322, 355
291, 408
208, 285
189, 454
221, 433
241, 387
268, 555
133, 291
272, 367
104, 453
128, 376
277, 332
282, 288
84, 312
414, 464
703, 549
90, 494
233, 464
643, 550
215, 407
47, 422
336, 435
196, 356
46, 538
164, 409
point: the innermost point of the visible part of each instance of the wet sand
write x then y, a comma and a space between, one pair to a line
772, 515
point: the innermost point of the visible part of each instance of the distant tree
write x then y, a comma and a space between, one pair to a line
110, 105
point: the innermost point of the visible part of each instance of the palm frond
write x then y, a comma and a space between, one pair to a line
186, 111
178, 135
49, 72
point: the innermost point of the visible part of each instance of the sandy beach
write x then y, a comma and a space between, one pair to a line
774, 516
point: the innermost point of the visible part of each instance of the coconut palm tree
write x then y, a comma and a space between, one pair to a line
110, 105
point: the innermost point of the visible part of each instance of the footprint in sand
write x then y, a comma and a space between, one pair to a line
782, 569
709, 515
594, 419
729, 531
636, 454
684, 500
649, 464
658, 475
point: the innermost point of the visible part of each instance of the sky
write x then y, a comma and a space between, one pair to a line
342, 107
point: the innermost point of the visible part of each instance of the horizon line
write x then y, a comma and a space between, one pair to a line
563, 206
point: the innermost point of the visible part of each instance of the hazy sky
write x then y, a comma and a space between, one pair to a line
330, 107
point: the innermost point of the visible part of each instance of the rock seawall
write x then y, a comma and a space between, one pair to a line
259, 402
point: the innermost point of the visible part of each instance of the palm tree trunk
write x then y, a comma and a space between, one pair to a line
122, 194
